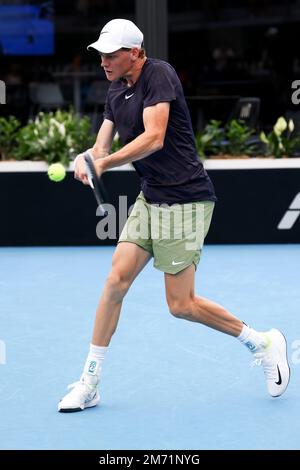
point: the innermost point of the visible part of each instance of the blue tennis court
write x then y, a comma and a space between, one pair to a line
167, 383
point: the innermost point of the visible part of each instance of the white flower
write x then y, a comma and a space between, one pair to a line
280, 126
62, 130
61, 127
42, 142
263, 138
69, 141
291, 125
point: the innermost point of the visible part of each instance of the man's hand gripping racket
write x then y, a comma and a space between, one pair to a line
95, 183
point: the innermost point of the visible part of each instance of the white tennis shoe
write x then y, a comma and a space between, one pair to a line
273, 358
84, 394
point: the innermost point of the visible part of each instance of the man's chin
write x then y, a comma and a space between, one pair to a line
110, 76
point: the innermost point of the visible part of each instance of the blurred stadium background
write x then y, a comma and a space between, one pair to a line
221, 49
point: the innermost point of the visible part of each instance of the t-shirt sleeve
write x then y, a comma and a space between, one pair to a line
159, 87
107, 113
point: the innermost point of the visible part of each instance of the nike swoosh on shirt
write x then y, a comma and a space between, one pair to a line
178, 262
128, 96
279, 377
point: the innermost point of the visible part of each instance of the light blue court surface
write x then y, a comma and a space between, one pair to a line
167, 383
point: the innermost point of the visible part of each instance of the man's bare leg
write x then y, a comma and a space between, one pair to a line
183, 303
128, 261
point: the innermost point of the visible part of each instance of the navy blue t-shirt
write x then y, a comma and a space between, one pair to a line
175, 173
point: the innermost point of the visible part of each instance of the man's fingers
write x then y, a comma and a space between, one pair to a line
83, 178
80, 172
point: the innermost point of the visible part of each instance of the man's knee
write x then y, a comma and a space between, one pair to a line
179, 308
117, 285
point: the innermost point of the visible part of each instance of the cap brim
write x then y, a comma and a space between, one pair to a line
105, 47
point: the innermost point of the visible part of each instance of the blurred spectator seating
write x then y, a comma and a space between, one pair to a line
247, 110
95, 102
45, 96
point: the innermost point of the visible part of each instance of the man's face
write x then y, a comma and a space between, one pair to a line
117, 64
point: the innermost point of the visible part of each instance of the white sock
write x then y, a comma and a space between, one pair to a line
93, 364
252, 339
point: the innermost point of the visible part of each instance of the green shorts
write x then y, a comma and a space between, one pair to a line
173, 234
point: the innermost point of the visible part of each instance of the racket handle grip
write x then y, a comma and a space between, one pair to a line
87, 152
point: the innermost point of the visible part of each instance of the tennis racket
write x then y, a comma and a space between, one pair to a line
95, 183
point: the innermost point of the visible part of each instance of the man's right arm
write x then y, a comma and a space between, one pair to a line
100, 149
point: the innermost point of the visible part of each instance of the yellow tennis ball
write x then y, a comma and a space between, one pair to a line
56, 172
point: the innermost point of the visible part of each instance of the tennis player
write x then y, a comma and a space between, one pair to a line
146, 106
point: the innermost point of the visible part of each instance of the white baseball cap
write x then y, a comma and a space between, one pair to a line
116, 34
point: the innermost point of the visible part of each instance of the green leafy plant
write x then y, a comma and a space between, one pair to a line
237, 139
8, 135
209, 141
282, 141
233, 140
54, 137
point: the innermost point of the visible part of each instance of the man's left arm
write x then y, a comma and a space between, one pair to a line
155, 120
